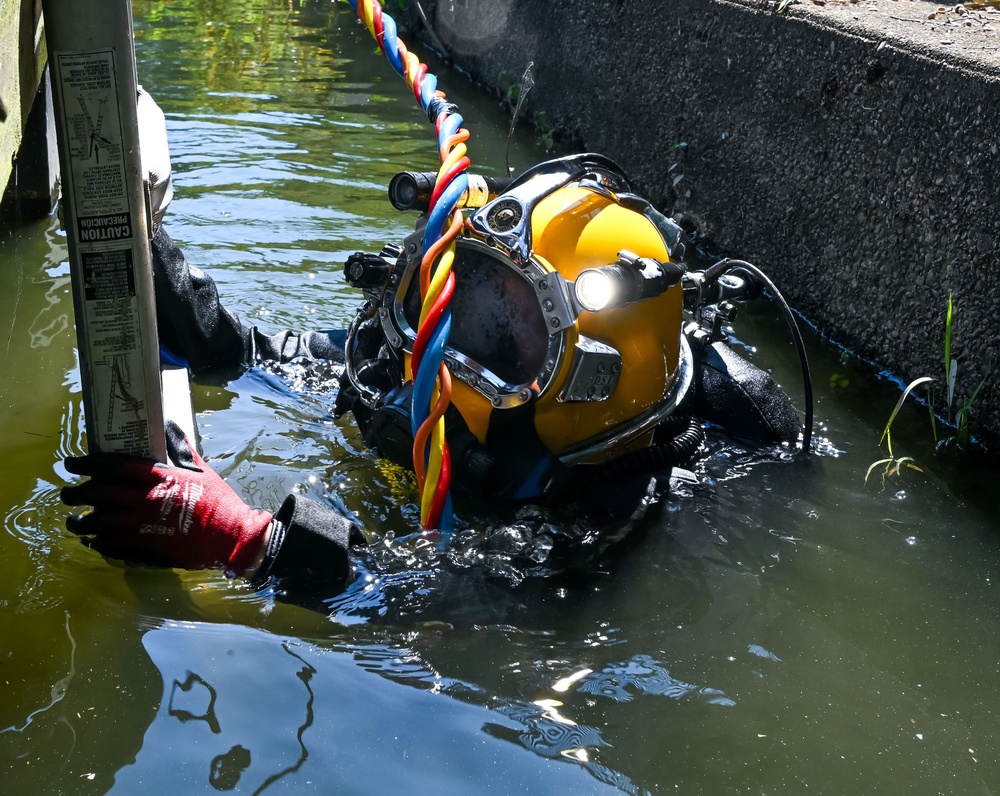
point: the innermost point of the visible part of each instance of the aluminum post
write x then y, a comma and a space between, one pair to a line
106, 218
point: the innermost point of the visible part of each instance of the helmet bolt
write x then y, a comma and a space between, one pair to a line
547, 305
524, 395
554, 323
543, 284
497, 401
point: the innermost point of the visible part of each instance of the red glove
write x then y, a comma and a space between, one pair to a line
184, 516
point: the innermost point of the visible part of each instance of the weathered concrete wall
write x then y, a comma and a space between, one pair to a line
852, 153
29, 173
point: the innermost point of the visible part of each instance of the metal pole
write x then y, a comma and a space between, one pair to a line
106, 218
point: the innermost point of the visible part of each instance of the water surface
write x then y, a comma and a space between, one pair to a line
781, 628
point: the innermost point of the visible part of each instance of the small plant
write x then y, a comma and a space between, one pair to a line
958, 417
961, 417
893, 465
546, 131
511, 90
841, 381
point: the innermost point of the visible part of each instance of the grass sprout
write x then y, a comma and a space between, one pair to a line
892, 465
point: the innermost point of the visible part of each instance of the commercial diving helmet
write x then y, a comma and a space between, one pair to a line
566, 340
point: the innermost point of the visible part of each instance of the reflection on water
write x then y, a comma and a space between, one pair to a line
243, 707
57, 691
232, 697
777, 627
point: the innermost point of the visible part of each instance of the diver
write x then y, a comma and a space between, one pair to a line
582, 353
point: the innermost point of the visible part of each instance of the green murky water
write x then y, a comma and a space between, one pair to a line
785, 629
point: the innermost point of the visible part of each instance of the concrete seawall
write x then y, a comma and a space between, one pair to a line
29, 163
849, 150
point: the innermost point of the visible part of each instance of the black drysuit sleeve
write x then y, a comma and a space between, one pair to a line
309, 547
195, 326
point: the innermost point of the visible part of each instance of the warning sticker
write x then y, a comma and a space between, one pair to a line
106, 250
115, 345
108, 275
94, 132
94, 229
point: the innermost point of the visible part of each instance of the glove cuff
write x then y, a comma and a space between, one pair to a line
249, 549
309, 547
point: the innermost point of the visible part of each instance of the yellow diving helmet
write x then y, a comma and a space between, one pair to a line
566, 336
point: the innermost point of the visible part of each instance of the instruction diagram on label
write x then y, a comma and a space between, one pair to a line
109, 287
94, 134
106, 249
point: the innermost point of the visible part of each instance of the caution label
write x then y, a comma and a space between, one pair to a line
106, 253
94, 133
94, 229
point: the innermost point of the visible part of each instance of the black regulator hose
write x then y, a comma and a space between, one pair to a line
793, 327
676, 451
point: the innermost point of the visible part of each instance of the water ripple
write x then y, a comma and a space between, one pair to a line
641, 674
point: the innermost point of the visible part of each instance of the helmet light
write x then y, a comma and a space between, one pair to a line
631, 279
595, 288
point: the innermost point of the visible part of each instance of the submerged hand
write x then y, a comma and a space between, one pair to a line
184, 516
